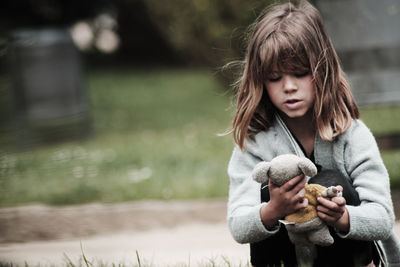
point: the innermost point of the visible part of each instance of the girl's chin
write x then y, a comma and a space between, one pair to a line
297, 114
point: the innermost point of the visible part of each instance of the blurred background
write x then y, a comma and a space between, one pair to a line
114, 101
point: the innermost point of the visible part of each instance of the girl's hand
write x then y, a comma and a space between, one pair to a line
334, 212
284, 200
289, 197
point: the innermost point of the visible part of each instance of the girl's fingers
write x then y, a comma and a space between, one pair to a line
340, 201
299, 197
335, 203
302, 204
297, 182
331, 210
271, 185
332, 213
290, 195
328, 215
327, 218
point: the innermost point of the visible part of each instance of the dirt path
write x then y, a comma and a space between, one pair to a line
188, 245
188, 233
39, 222
185, 233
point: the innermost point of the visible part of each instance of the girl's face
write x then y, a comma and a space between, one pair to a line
291, 93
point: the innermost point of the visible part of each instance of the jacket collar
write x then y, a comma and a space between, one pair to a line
293, 143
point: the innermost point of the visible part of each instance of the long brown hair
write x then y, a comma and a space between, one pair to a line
292, 38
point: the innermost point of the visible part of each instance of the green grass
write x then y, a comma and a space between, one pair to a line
382, 119
220, 261
86, 261
155, 136
392, 162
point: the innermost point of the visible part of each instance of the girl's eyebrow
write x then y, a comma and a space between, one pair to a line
274, 73
275, 70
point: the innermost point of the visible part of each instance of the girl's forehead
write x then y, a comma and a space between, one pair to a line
280, 53
291, 65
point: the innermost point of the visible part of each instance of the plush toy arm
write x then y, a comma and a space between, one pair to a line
331, 192
307, 167
260, 172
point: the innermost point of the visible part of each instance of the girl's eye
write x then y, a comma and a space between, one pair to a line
275, 79
303, 74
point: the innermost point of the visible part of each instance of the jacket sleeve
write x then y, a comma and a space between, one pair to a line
374, 218
244, 204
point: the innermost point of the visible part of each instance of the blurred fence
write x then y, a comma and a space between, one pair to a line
367, 37
49, 97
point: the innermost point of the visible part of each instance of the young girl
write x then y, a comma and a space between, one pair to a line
293, 98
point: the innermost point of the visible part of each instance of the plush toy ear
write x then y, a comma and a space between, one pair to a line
307, 167
260, 172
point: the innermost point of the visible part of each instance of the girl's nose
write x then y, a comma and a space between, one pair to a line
289, 83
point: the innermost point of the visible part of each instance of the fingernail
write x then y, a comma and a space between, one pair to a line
302, 192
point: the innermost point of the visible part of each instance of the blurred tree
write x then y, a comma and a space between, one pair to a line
140, 40
206, 31
36, 13
196, 32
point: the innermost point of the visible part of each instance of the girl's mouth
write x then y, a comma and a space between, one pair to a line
292, 103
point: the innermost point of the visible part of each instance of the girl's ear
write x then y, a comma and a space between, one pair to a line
307, 167
260, 172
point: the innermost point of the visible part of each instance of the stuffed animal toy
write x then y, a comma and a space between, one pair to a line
304, 226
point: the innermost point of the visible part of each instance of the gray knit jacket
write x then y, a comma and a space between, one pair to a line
354, 153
